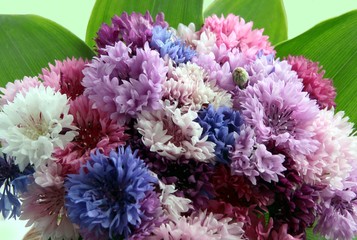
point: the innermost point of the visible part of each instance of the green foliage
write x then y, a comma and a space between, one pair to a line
333, 44
269, 15
28, 43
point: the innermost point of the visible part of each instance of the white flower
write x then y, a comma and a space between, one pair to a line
174, 134
172, 205
188, 88
34, 124
187, 33
205, 42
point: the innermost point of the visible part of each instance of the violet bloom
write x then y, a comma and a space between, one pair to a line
338, 217
280, 112
123, 84
134, 30
253, 160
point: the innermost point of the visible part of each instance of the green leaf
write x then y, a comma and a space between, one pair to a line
333, 44
269, 15
28, 43
184, 11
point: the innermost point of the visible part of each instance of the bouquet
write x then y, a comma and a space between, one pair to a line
178, 134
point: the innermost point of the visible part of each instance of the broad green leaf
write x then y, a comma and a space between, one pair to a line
184, 11
28, 43
269, 15
333, 44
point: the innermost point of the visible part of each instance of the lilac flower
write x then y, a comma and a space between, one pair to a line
105, 198
123, 84
134, 29
13, 183
220, 125
167, 44
338, 219
252, 159
280, 112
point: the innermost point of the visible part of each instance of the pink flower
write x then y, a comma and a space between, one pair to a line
19, 86
44, 207
315, 84
233, 32
95, 131
335, 158
65, 76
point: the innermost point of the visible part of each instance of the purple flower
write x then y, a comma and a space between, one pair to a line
167, 44
105, 198
252, 159
280, 112
338, 218
134, 29
13, 183
220, 125
123, 84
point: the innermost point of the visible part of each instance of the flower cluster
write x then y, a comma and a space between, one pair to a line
178, 134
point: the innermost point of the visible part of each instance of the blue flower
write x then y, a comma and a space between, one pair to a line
220, 125
13, 182
104, 197
166, 43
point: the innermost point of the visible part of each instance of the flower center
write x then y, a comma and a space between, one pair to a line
279, 120
342, 206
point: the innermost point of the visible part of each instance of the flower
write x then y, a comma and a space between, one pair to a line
233, 32
338, 218
123, 84
252, 159
65, 76
280, 111
134, 29
174, 134
173, 206
104, 197
199, 225
32, 130
335, 158
44, 208
315, 84
188, 88
167, 44
19, 86
220, 125
13, 182
95, 131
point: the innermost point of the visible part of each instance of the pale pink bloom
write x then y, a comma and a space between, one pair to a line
187, 33
43, 207
234, 32
19, 86
174, 134
336, 155
200, 225
49, 174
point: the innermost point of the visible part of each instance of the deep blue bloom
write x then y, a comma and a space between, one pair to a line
166, 43
13, 182
220, 125
104, 197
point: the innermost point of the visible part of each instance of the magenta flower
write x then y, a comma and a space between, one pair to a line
65, 76
280, 112
315, 84
134, 30
95, 131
